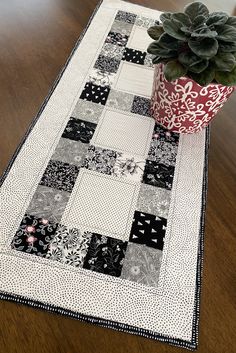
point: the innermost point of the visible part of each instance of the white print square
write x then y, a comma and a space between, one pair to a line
134, 78
139, 39
129, 167
102, 204
124, 132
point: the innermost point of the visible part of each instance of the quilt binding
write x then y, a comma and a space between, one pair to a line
191, 345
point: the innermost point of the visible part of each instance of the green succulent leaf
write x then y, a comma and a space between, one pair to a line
188, 59
195, 9
231, 21
199, 67
205, 48
227, 47
197, 44
155, 32
217, 18
173, 28
157, 60
165, 16
226, 78
224, 61
205, 77
204, 33
182, 17
168, 42
199, 20
186, 30
173, 70
155, 49
226, 33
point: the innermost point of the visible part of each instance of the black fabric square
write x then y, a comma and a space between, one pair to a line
100, 160
60, 175
148, 229
95, 94
125, 16
117, 38
34, 235
157, 174
141, 106
165, 135
134, 56
164, 146
105, 255
79, 130
104, 63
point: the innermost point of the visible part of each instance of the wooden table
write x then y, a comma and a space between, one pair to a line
36, 37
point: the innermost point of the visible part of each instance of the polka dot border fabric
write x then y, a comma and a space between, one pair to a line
103, 207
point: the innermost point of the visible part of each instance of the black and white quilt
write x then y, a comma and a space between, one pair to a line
101, 208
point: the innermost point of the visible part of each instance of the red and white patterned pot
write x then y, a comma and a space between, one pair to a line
183, 105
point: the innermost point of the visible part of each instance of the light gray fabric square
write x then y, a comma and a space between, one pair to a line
142, 264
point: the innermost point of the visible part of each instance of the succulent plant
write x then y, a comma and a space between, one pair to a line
196, 44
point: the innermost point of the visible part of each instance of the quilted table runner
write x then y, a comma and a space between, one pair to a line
102, 209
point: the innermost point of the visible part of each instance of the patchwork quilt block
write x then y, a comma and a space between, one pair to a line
105, 209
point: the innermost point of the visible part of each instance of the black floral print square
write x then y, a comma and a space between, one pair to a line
60, 175
106, 64
100, 160
165, 135
117, 39
159, 175
141, 106
163, 152
125, 16
148, 229
95, 93
34, 235
79, 130
134, 56
105, 255
164, 146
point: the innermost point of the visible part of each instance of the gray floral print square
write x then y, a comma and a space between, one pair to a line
154, 200
70, 151
48, 203
87, 111
122, 27
120, 100
142, 264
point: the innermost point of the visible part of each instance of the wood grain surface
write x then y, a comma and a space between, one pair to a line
36, 37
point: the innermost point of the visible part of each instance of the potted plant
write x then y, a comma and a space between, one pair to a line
194, 55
